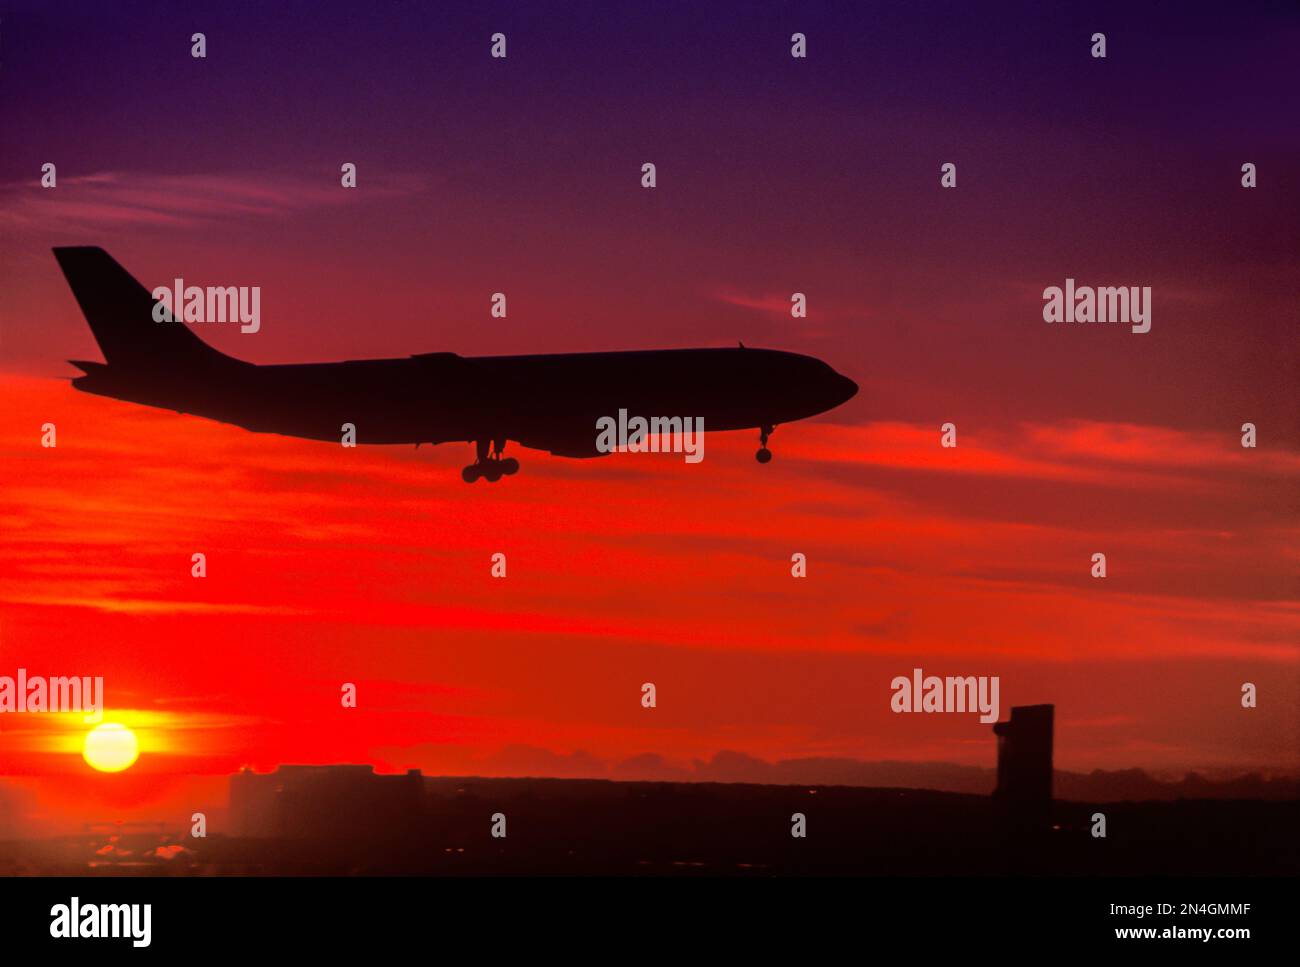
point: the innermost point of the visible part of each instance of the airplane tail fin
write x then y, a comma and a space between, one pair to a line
120, 313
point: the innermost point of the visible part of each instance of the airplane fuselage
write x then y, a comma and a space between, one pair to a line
549, 402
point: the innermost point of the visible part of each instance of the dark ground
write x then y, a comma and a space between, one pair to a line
557, 826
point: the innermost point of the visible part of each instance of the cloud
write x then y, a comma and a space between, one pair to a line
777, 305
730, 766
527, 760
114, 199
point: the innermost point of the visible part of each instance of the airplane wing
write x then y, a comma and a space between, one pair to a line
568, 444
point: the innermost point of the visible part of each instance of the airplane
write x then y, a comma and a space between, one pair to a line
542, 402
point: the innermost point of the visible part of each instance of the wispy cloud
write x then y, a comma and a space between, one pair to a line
776, 305
119, 199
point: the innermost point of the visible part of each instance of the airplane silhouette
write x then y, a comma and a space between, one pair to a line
545, 402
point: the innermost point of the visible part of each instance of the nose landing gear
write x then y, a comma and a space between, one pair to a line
764, 455
489, 464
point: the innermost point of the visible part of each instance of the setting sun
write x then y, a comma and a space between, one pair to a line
111, 747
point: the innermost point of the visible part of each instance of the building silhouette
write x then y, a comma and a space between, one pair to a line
1024, 790
325, 802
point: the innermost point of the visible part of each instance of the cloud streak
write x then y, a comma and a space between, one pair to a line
116, 200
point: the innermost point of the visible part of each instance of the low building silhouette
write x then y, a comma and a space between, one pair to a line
322, 802
1024, 790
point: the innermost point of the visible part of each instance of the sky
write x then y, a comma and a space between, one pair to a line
774, 175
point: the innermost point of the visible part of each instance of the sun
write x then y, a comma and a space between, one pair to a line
111, 747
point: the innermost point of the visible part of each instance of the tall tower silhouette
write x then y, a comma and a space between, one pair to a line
1024, 790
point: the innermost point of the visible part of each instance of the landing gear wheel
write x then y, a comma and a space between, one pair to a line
488, 463
764, 455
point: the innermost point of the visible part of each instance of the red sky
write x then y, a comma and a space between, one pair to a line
372, 565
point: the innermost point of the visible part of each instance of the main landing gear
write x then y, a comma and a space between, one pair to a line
764, 455
488, 462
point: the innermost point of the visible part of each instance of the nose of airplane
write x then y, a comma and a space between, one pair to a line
845, 389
